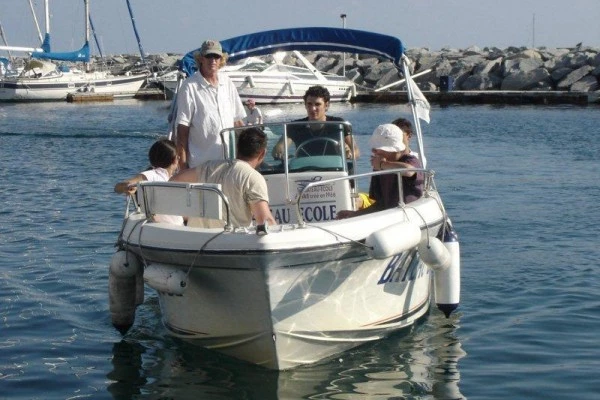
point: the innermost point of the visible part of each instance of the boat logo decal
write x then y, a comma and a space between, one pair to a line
402, 268
301, 184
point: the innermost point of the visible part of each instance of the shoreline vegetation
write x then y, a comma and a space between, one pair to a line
549, 75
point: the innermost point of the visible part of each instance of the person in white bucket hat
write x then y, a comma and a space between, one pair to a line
389, 152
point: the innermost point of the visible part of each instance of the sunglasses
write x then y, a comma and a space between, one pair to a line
213, 56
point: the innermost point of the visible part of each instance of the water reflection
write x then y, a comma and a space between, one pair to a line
422, 363
126, 375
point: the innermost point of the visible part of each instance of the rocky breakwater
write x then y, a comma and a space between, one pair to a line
514, 68
475, 70
575, 70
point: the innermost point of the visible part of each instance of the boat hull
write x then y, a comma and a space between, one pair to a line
277, 90
291, 297
57, 88
282, 317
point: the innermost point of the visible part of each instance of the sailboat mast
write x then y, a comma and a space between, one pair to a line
37, 25
47, 16
137, 36
87, 30
5, 42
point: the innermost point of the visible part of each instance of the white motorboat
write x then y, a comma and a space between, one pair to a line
267, 82
43, 80
281, 83
273, 83
311, 286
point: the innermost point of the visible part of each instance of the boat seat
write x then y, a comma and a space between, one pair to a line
189, 200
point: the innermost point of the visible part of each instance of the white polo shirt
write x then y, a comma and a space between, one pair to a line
207, 110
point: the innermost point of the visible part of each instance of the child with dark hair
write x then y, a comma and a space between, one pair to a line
163, 164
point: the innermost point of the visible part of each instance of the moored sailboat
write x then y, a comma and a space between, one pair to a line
43, 80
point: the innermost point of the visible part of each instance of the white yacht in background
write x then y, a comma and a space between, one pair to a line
277, 82
268, 82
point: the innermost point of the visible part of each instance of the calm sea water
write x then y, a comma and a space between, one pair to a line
520, 183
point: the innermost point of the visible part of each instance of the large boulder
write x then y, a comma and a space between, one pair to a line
325, 64
367, 62
588, 83
389, 77
573, 77
560, 73
569, 60
427, 61
376, 72
459, 78
549, 54
473, 51
494, 53
481, 82
524, 80
443, 68
516, 65
355, 76
525, 54
488, 67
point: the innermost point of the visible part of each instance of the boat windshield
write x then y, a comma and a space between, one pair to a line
301, 146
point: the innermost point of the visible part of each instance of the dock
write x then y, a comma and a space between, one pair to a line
484, 97
88, 97
142, 94
464, 97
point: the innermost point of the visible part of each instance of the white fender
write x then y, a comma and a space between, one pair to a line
433, 253
165, 279
446, 283
393, 239
122, 289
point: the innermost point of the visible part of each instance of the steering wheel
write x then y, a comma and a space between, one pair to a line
302, 152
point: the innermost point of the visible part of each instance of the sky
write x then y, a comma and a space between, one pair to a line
179, 26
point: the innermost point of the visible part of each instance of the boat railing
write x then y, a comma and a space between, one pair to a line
190, 200
428, 184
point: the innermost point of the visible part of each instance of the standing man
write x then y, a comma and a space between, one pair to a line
207, 103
